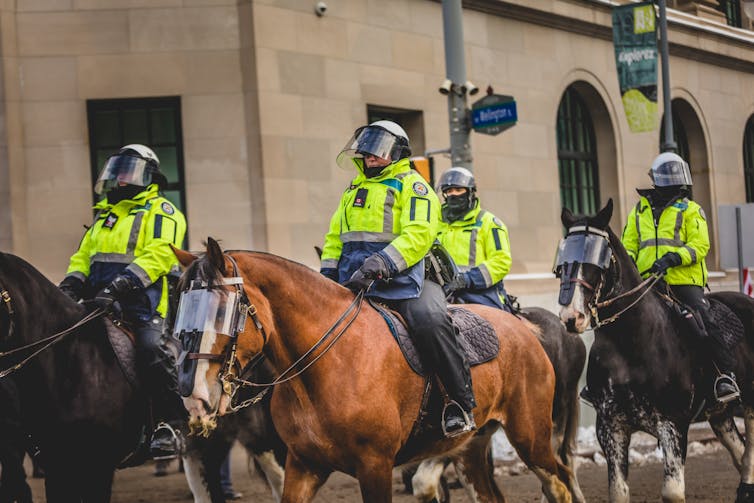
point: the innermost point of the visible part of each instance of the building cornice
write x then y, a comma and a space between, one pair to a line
689, 30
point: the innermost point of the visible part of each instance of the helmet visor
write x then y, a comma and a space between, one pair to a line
368, 140
123, 169
671, 173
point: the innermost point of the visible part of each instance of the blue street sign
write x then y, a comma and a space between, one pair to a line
493, 114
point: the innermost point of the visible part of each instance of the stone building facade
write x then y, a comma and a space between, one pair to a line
265, 93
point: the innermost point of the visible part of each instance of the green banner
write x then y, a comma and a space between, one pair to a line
635, 41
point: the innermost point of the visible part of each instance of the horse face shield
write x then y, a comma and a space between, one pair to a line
202, 314
581, 246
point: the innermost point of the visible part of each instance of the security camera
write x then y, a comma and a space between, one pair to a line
446, 86
470, 88
320, 9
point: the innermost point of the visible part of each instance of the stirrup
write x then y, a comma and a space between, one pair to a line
731, 396
159, 454
469, 424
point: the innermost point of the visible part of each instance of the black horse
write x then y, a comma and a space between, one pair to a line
76, 403
646, 372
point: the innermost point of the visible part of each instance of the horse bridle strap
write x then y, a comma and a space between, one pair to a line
647, 285
45, 343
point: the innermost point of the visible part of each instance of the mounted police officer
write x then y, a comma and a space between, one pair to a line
385, 224
666, 233
476, 240
122, 263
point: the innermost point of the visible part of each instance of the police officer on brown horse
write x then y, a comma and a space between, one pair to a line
385, 224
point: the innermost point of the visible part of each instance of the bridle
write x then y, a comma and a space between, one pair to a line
44, 343
595, 304
230, 375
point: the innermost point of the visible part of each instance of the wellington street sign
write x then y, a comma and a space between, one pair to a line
493, 114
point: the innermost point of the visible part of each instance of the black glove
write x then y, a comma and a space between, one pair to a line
461, 281
107, 298
662, 264
73, 287
373, 268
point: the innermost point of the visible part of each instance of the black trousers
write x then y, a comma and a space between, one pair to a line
435, 337
693, 297
156, 361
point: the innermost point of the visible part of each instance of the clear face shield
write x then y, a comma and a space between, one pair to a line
368, 140
123, 169
203, 310
671, 173
583, 247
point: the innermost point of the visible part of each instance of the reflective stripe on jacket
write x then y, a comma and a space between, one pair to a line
132, 237
479, 245
682, 228
395, 214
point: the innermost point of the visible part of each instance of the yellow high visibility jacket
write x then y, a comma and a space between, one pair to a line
681, 228
132, 237
395, 214
480, 247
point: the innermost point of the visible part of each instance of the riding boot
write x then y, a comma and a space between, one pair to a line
161, 381
458, 416
725, 387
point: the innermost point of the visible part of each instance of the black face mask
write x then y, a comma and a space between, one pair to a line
456, 207
372, 172
119, 194
663, 195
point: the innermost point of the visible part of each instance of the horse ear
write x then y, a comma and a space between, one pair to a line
215, 254
602, 219
567, 218
184, 258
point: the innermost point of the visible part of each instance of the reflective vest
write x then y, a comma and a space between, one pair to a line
479, 245
395, 214
681, 228
132, 237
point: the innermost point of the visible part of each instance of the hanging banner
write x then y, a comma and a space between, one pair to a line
748, 283
635, 41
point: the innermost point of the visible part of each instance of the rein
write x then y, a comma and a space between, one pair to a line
647, 285
46, 342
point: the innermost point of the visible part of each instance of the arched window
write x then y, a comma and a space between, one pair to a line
679, 135
749, 159
577, 156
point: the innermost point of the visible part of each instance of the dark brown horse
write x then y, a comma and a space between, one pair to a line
353, 409
646, 372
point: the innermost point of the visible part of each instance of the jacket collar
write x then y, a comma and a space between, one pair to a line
392, 169
150, 192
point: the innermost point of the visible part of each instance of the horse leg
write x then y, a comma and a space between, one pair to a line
672, 440
193, 470
567, 426
728, 435
745, 493
302, 481
375, 476
530, 436
614, 440
274, 474
60, 483
96, 482
475, 469
427, 481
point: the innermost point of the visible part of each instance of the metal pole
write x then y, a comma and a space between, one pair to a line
739, 245
455, 69
668, 144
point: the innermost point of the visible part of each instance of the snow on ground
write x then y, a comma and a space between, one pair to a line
643, 448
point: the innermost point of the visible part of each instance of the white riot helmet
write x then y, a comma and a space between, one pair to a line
669, 169
134, 164
384, 139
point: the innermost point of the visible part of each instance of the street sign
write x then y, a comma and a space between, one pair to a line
493, 114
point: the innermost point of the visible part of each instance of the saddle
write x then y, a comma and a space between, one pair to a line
124, 347
476, 336
730, 328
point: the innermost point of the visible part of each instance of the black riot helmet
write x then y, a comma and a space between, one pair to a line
456, 206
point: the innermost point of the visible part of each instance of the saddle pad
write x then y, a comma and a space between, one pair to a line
478, 339
731, 329
124, 349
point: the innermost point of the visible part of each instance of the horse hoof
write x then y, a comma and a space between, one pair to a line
745, 493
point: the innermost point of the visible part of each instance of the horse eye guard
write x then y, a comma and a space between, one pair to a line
203, 310
583, 246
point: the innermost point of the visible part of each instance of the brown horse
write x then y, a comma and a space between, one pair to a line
352, 402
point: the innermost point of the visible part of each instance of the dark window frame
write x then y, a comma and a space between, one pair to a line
121, 105
578, 167
748, 152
